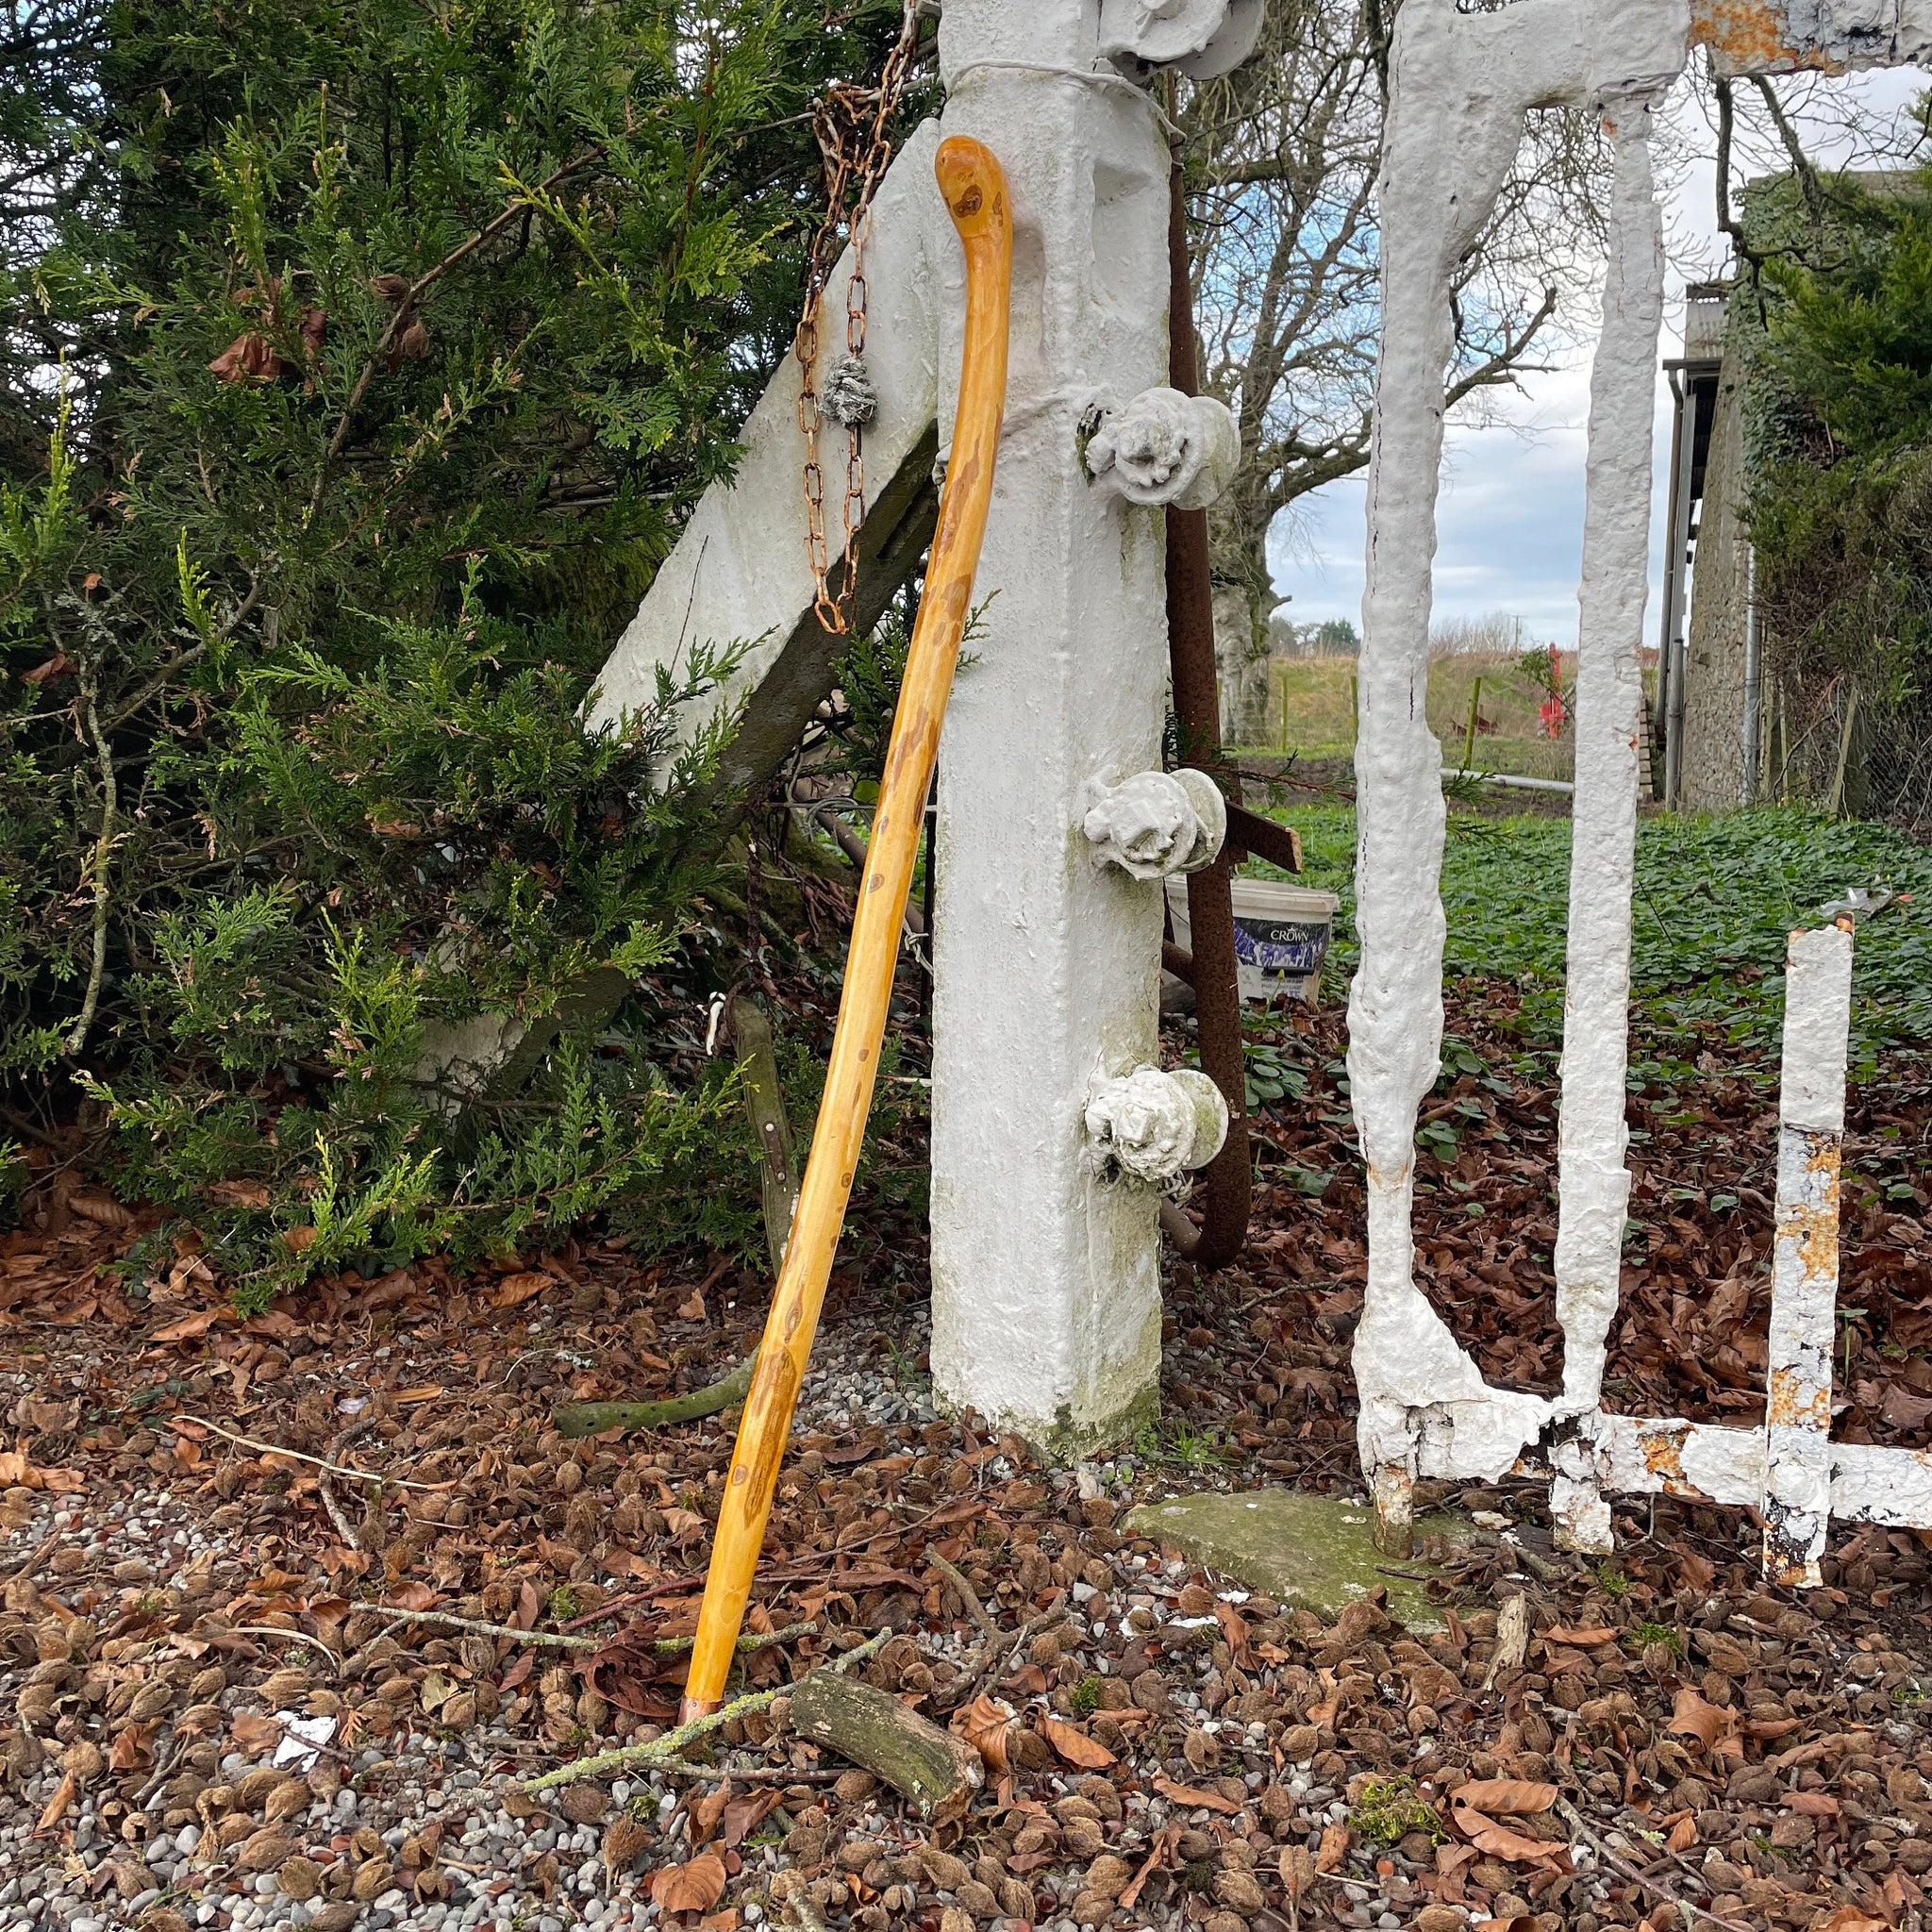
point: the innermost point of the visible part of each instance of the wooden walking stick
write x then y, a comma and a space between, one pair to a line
975, 192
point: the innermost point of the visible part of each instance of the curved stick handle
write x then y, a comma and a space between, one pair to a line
975, 191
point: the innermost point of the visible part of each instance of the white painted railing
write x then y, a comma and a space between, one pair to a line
1462, 86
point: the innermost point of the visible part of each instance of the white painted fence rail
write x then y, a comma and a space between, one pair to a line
1462, 88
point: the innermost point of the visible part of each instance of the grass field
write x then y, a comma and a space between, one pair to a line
1313, 710
1716, 900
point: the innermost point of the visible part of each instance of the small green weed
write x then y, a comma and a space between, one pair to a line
1174, 1442
563, 1603
1612, 1580
1086, 1695
1642, 1636
1390, 1809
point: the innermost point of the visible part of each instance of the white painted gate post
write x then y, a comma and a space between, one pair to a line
1804, 1289
1046, 1307
1594, 1184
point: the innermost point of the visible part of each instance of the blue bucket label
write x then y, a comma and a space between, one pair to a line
1285, 949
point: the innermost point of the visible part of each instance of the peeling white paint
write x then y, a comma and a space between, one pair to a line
1703, 1461
1593, 1190
741, 573
1462, 86
1782, 36
1046, 1293
1804, 1293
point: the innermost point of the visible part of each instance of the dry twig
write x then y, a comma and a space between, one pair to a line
360, 1427
662, 1754
1632, 1876
667, 1646
967, 1595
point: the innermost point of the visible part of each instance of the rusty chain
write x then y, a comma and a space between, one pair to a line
850, 124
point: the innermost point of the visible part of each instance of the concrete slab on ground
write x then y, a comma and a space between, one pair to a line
1308, 1552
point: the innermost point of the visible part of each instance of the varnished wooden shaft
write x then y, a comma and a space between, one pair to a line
975, 192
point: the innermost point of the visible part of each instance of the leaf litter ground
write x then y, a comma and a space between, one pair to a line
1647, 1740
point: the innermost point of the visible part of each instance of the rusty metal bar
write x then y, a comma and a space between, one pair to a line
1248, 831
1804, 1293
1227, 1189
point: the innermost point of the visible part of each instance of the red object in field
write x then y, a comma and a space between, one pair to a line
1554, 713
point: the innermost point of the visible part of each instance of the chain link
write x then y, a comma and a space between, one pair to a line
851, 125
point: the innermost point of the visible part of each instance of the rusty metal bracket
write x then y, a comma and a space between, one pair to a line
1227, 1188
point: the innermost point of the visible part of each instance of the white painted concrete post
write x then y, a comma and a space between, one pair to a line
1447, 147
1593, 1187
1804, 1293
1462, 86
1047, 1309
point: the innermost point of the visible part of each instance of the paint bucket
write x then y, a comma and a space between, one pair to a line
1281, 936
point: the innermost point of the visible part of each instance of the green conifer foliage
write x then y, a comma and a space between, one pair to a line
359, 361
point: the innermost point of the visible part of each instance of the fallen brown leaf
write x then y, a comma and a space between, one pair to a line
1693, 1716
1075, 1746
190, 1327
1596, 1633
58, 1805
986, 1725
1504, 1797
102, 1209
744, 1815
695, 1886
1194, 1798
1812, 1803
1333, 1848
514, 1290
254, 1733
1513, 1848
1297, 1871
1234, 1627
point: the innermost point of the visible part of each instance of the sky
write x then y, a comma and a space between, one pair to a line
1510, 516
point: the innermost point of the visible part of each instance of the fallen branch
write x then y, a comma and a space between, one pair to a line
101, 866
662, 1754
20, 1572
992, 1653
969, 1597
337, 1442
803, 1913
935, 1772
294, 1636
525, 199
577, 1420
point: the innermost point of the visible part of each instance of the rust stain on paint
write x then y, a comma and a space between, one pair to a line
1798, 1403
1752, 37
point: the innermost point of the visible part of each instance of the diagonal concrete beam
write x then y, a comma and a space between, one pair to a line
741, 574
